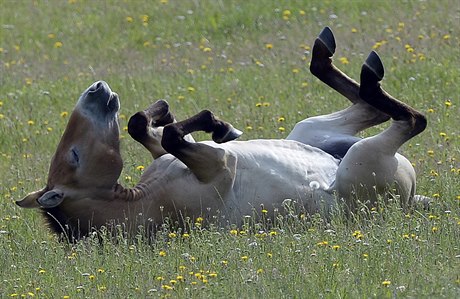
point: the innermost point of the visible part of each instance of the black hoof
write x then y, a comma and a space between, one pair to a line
225, 133
137, 126
160, 114
372, 73
326, 37
323, 50
375, 65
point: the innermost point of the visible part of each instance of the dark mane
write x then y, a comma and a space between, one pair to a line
66, 228
70, 230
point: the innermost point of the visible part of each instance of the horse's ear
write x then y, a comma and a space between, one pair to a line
30, 201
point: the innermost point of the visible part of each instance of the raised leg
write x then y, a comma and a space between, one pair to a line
204, 160
322, 67
372, 168
146, 127
334, 132
408, 121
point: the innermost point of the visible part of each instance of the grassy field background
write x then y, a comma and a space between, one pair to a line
245, 61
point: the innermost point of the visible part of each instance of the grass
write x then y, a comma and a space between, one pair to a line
245, 61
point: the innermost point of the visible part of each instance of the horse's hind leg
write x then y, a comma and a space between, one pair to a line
409, 122
372, 167
322, 67
337, 129
146, 126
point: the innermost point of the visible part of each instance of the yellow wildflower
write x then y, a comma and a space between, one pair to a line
145, 18
322, 243
358, 234
286, 14
344, 60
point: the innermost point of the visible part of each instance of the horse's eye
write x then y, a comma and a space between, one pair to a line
74, 158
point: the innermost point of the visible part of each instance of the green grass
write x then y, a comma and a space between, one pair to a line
51, 51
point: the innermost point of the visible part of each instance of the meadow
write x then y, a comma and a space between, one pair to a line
247, 61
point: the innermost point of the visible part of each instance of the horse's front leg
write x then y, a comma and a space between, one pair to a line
204, 160
146, 127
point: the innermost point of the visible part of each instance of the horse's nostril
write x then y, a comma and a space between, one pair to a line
96, 87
